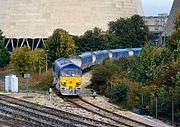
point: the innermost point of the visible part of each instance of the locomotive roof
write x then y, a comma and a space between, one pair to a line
62, 62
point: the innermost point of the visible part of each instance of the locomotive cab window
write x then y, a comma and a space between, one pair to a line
71, 72
66, 72
76, 72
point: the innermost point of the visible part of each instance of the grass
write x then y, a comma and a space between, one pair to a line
36, 84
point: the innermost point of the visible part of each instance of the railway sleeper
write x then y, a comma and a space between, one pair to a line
38, 116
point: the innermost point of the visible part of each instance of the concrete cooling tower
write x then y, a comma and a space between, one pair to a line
169, 28
38, 18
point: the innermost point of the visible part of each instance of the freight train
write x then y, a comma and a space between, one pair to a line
68, 72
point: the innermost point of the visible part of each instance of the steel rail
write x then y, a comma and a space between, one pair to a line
15, 122
117, 115
54, 122
26, 118
76, 119
5, 122
115, 122
108, 114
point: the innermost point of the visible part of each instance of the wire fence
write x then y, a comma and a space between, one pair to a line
162, 108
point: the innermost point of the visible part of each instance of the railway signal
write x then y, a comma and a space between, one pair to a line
26, 76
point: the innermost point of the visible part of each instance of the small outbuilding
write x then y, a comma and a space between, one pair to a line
11, 83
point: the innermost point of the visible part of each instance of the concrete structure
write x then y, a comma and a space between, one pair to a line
21, 20
38, 18
168, 30
156, 26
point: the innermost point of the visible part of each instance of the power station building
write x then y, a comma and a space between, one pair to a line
31, 21
169, 28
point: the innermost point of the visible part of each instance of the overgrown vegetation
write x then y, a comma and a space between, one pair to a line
43, 83
155, 73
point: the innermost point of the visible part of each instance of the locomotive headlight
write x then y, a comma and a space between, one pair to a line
63, 83
78, 83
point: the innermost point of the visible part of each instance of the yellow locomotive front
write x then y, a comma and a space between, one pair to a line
67, 77
71, 81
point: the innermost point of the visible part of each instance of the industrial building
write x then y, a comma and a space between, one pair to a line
156, 26
169, 28
31, 21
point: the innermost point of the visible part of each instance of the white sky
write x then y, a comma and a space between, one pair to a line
153, 7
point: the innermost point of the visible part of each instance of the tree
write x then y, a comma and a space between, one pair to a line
128, 33
60, 44
4, 54
37, 59
25, 60
2, 38
150, 64
20, 58
93, 40
4, 57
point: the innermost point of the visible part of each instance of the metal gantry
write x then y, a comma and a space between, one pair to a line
33, 43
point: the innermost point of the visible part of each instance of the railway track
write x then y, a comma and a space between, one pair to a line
75, 120
31, 117
115, 118
24, 119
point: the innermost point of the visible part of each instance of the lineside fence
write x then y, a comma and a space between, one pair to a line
162, 108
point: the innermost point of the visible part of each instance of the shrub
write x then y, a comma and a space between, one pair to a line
119, 92
106, 73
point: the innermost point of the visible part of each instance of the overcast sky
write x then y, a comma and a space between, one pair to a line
153, 7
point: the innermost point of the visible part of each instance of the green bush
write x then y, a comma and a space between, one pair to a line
119, 92
106, 73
